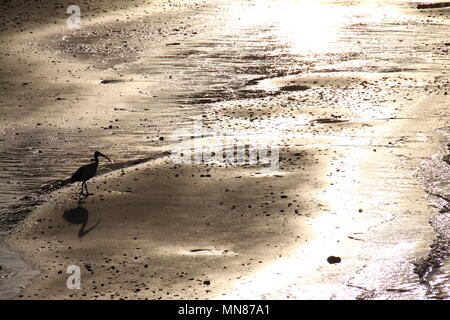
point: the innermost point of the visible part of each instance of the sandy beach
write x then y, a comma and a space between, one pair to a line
354, 207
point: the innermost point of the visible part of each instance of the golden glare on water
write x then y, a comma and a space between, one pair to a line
309, 26
305, 25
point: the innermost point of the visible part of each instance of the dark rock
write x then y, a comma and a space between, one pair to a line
106, 81
294, 88
433, 5
333, 259
447, 159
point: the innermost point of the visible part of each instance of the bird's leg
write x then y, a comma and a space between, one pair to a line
82, 186
87, 191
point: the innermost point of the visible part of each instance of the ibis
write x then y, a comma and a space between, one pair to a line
86, 172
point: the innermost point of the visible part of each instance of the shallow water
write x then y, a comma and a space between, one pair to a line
231, 45
434, 174
218, 56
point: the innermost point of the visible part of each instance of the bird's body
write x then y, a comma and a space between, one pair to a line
86, 172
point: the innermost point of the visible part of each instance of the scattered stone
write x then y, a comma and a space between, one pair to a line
333, 259
107, 81
447, 159
294, 88
433, 5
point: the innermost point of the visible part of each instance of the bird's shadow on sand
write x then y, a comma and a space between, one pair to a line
79, 215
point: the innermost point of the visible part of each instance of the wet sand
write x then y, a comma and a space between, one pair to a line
158, 230
161, 231
165, 231
366, 214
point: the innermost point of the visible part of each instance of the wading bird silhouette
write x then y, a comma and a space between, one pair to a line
86, 172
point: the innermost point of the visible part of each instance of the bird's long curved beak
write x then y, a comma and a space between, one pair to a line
101, 154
